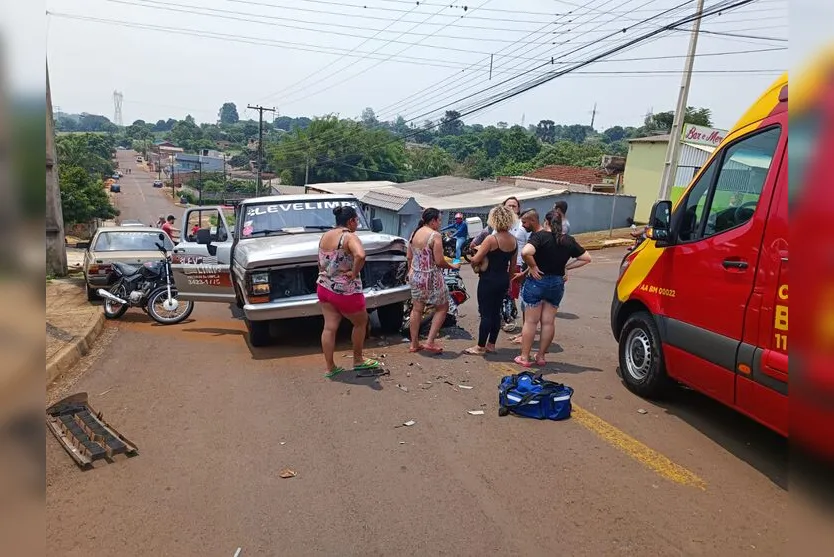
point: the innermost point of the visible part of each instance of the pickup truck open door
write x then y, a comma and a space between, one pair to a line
202, 260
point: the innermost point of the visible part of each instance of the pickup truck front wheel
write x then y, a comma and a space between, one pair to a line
391, 317
258, 332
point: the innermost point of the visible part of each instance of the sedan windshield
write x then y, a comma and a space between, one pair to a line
290, 217
130, 241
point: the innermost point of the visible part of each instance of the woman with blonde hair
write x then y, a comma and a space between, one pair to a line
494, 262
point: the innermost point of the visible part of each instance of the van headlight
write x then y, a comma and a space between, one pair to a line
259, 283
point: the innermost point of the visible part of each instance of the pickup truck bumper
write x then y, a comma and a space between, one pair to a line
308, 306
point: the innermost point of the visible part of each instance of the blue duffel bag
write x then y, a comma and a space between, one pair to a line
528, 395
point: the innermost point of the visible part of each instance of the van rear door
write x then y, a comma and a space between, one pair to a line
706, 285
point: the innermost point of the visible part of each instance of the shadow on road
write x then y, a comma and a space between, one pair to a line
758, 446
566, 315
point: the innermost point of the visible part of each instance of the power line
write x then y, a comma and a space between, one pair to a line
503, 97
356, 74
741, 36
400, 105
342, 57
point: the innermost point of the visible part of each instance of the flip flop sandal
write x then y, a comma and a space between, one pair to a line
541, 362
523, 363
334, 372
414, 350
433, 349
368, 365
475, 352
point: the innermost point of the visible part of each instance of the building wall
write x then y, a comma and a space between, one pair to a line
643, 171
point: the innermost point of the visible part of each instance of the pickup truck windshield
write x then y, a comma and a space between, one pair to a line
263, 219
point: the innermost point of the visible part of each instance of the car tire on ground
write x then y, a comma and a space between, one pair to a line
642, 365
391, 317
91, 293
258, 333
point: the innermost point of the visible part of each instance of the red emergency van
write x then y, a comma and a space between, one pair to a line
704, 301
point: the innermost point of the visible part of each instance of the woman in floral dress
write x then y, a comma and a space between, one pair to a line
425, 261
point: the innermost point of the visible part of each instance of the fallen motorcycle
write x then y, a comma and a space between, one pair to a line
457, 296
149, 287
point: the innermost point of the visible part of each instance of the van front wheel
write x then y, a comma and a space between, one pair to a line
641, 357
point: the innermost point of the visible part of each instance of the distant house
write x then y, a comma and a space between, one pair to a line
398, 206
189, 163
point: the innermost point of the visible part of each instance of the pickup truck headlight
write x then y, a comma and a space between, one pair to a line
259, 283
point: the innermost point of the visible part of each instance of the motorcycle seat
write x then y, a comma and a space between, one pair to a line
125, 269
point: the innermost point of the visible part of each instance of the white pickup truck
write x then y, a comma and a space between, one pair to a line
264, 258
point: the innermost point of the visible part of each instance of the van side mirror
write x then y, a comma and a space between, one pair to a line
376, 225
659, 228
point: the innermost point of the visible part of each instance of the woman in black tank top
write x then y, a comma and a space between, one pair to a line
494, 257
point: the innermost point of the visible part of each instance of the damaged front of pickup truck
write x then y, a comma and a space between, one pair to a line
264, 258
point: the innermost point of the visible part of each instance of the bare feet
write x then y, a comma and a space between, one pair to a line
476, 351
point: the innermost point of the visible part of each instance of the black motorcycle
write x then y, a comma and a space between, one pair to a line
150, 287
449, 243
457, 296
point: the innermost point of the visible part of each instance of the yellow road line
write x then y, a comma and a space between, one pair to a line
643, 454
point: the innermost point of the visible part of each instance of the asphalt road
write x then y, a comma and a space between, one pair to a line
217, 420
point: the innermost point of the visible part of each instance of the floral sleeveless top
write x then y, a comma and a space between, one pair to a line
335, 266
427, 282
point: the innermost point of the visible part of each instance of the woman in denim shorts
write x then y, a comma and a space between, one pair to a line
546, 254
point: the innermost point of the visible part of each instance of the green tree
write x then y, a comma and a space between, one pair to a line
82, 198
427, 162
239, 161
546, 131
451, 123
89, 151
369, 118
337, 151
228, 113
613, 134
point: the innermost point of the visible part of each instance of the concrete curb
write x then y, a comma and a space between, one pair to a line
71, 354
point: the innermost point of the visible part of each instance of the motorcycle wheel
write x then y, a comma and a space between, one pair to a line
162, 315
114, 310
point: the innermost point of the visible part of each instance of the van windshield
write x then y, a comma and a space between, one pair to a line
294, 217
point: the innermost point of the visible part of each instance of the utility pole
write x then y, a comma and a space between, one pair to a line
56, 253
670, 168
200, 181
173, 185
593, 115
260, 110
491, 56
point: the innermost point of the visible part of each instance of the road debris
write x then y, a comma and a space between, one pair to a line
403, 388
83, 433
448, 382
465, 387
642, 411
426, 386
287, 473
402, 442
476, 412
609, 397
237, 553
283, 443
105, 392
409, 423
